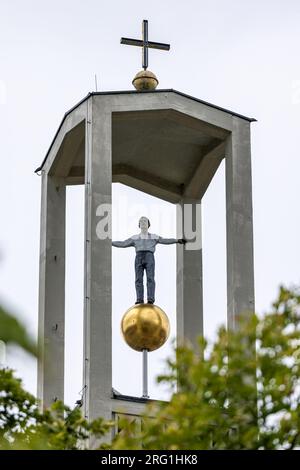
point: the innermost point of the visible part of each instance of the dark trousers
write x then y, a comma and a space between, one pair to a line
144, 260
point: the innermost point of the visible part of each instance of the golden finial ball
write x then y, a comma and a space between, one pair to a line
145, 80
145, 326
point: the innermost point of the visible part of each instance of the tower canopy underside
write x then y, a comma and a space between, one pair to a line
160, 152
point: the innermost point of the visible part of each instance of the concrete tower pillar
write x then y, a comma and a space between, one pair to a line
239, 222
189, 271
97, 265
52, 291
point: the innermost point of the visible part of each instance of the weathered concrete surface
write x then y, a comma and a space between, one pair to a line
97, 266
52, 291
169, 146
162, 127
239, 223
189, 276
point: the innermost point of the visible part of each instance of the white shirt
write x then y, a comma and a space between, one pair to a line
142, 243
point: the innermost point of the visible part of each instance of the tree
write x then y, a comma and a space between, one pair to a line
22, 424
242, 392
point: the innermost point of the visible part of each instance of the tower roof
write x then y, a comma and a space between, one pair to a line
129, 92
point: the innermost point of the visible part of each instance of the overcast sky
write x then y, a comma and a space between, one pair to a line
243, 56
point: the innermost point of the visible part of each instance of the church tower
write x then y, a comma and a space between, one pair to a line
169, 145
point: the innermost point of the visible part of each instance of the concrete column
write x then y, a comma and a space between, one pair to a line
239, 230
189, 272
52, 291
97, 276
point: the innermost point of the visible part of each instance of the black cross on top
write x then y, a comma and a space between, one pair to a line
145, 44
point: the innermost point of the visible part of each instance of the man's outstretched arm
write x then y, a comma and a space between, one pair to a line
170, 241
124, 244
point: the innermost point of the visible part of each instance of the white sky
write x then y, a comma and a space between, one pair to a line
240, 55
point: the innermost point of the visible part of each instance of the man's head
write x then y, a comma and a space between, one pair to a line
144, 223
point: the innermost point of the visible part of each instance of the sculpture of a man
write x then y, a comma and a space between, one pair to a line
145, 244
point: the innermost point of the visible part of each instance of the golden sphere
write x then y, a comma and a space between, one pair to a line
145, 326
145, 80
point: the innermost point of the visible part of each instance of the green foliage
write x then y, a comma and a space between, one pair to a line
12, 331
242, 392
23, 426
17, 408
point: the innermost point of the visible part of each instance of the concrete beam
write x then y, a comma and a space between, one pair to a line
201, 126
69, 122
75, 176
129, 408
72, 142
239, 231
205, 172
146, 182
52, 291
165, 101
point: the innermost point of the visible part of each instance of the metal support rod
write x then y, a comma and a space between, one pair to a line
145, 373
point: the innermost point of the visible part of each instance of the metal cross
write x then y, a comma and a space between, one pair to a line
145, 44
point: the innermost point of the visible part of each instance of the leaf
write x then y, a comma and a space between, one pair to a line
12, 331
